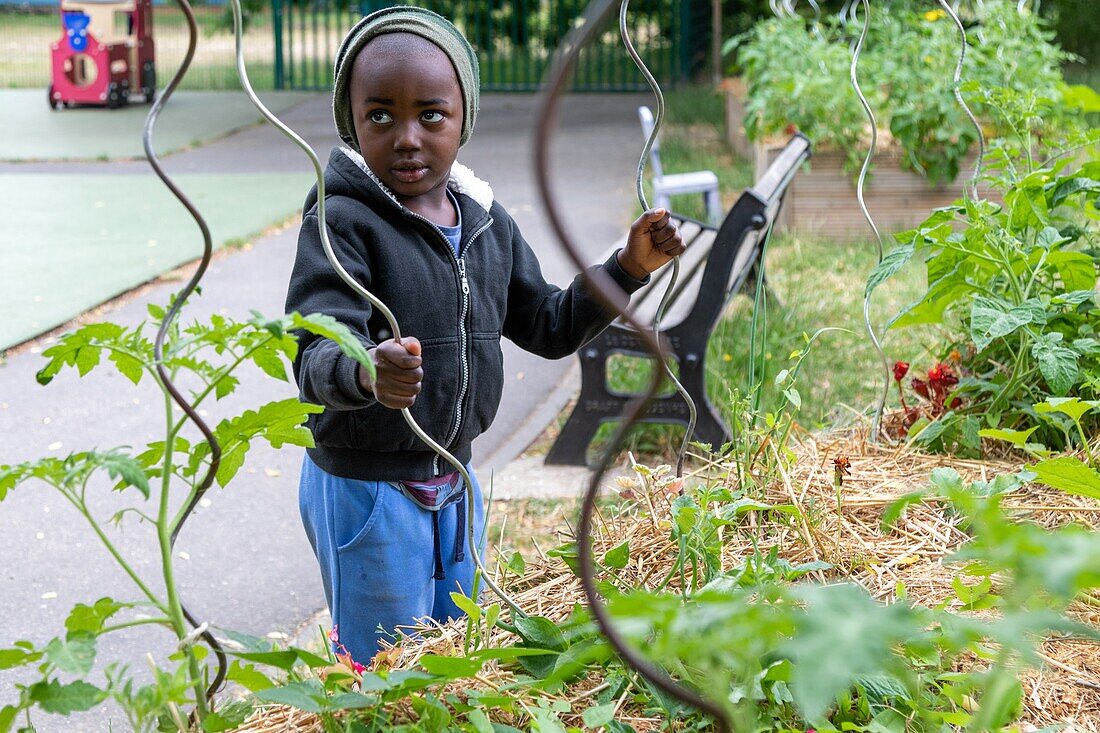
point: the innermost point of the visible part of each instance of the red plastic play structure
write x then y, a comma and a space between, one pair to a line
105, 53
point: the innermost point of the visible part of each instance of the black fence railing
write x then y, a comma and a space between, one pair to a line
514, 40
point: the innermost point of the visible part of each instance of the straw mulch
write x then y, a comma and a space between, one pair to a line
1066, 690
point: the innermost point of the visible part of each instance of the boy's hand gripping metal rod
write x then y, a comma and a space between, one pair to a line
658, 119
322, 226
580, 36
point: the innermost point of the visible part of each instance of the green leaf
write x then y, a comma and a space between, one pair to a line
541, 632
225, 386
269, 361
352, 701
75, 653
7, 717
1018, 438
54, 697
328, 327
91, 618
1081, 97
1074, 297
248, 676
895, 508
841, 617
890, 264
279, 423
227, 717
1070, 475
1077, 269
992, 319
595, 717
1086, 346
127, 365
479, 720
467, 605
946, 480
284, 660
1050, 237
1057, 364
306, 695
310, 659
24, 653
451, 667
618, 556
125, 469
516, 564
1074, 407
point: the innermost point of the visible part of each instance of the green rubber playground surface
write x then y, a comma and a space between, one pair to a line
30, 131
70, 242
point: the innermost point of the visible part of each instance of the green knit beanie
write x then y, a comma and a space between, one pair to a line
405, 19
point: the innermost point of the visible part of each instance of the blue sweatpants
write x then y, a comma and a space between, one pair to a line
375, 549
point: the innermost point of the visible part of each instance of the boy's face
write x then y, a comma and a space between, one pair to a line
407, 106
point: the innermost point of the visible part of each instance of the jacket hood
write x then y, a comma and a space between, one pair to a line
347, 174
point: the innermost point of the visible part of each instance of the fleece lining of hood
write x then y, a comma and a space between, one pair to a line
462, 180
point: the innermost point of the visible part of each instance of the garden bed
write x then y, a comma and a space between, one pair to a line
822, 199
909, 558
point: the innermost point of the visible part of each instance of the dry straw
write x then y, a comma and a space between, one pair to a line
1065, 690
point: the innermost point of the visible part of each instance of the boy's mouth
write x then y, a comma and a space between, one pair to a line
409, 172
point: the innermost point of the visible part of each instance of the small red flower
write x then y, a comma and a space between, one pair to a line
841, 467
921, 387
942, 374
791, 128
901, 368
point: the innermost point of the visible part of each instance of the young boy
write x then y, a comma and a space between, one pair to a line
385, 515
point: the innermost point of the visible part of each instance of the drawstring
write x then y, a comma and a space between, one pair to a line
460, 528
439, 573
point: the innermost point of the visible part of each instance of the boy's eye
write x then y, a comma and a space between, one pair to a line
379, 117
432, 116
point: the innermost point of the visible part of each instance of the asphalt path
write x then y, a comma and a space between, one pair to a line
242, 561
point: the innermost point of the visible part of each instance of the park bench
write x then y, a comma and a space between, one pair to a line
717, 263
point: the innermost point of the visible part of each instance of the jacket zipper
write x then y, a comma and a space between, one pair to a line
463, 338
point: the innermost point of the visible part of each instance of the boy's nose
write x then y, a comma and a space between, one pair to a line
407, 138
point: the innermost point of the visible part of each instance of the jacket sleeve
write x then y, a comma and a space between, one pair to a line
552, 322
325, 375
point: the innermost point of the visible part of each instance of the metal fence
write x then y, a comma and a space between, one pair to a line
292, 44
514, 40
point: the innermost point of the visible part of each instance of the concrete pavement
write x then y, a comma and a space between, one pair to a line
243, 561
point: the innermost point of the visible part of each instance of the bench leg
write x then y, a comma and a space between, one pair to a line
571, 446
713, 202
749, 288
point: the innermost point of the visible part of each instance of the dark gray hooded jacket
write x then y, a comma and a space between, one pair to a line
458, 307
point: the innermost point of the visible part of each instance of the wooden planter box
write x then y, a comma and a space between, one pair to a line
735, 91
822, 199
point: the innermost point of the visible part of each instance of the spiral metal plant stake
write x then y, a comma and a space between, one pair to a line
595, 14
693, 413
173, 313
962, 102
881, 407
322, 225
